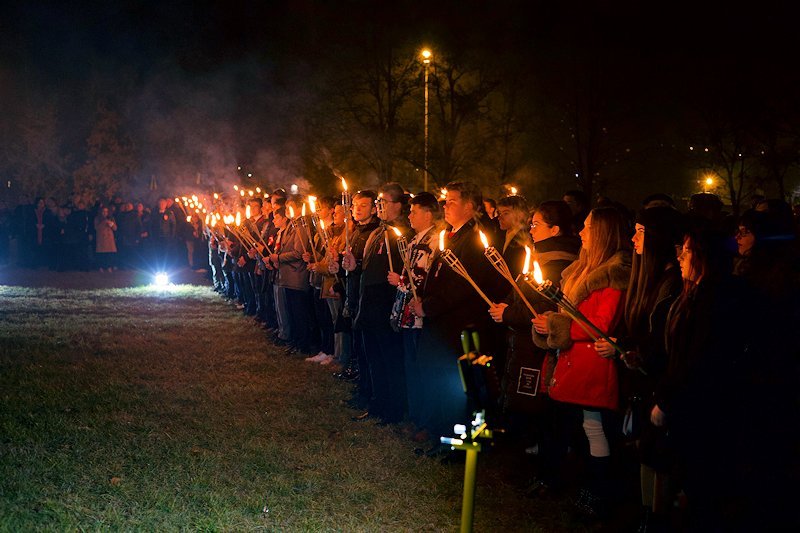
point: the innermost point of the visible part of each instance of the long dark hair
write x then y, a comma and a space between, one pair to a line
662, 230
711, 262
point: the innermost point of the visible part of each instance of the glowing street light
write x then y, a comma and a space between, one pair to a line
427, 56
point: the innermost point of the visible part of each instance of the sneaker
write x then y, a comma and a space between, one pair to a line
316, 358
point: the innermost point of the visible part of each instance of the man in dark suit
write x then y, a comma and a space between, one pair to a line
451, 305
383, 346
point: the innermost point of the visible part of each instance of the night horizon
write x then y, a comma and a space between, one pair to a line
207, 88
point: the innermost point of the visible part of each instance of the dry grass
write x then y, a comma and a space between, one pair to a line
125, 408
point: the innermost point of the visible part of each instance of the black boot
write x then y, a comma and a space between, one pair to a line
593, 501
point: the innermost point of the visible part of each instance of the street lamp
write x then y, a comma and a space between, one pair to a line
426, 60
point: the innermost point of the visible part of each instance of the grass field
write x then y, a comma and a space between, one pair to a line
136, 409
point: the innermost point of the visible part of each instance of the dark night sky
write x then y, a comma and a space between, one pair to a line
57, 42
227, 53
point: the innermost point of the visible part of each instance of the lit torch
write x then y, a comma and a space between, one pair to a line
501, 266
402, 247
453, 262
347, 203
546, 288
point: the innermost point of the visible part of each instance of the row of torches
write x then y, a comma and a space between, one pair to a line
534, 279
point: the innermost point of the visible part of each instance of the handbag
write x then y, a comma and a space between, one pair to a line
524, 382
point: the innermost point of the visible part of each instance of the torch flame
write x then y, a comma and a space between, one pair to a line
537, 273
189, 218
484, 240
322, 224
194, 197
303, 209
312, 203
247, 211
526, 268
250, 193
176, 200
291, 212
396, 231
258, 190
207, 217
238, 218
241, 192
213, 222
344, 183
441, 240
216, 196
235, 187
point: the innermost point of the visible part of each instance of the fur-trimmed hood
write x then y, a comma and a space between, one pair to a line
614, 273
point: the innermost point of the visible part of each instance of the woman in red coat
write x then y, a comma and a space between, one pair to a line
596, 284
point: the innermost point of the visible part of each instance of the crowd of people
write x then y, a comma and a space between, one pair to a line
693, 367
105, 236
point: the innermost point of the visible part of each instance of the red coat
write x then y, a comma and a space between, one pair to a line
581, 375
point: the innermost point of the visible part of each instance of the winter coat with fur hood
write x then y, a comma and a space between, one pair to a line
581, 375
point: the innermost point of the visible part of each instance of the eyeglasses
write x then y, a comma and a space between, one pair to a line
537, 224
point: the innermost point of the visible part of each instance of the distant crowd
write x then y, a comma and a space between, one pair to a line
105, 236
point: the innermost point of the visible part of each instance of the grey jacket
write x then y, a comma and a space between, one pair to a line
292, 273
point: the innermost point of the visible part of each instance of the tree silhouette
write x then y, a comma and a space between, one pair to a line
111, 159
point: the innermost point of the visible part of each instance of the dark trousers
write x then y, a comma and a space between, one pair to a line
300, 318
443, 398
384, 352
251, 300
230, 284
364, 384
270, 314
322, 314
217, 276
413, 374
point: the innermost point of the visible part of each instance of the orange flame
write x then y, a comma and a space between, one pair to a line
537, 273
344, 183
441, 240
484, 240
526, 268
396, 231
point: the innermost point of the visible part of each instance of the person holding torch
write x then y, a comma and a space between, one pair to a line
583, 378
450, 305
425, 217
554, 248
383, 345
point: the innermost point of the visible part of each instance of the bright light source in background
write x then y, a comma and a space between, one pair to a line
293, 188
161, 279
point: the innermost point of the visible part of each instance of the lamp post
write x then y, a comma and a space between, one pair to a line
426, 60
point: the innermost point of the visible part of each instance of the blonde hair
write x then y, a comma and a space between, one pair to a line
607, 235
